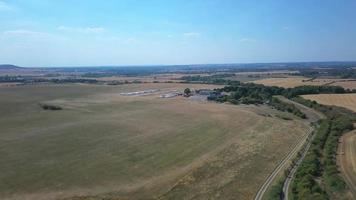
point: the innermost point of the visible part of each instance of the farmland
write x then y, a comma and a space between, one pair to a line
346, 84
291, 82
347, 162
103, 144
343, 100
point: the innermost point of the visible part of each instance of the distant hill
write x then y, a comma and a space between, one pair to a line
9, 67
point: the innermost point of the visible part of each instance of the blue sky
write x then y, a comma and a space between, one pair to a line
149, 32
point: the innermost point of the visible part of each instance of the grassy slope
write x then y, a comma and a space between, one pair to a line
133, 147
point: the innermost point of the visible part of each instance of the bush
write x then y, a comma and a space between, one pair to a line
50, 107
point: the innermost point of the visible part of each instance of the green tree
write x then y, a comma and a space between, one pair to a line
187, 92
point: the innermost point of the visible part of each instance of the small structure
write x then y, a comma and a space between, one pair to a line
139, 93
171, 94
204, 92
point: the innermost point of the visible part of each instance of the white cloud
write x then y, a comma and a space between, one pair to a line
81, 29
286, 28
191, 34
247, 40
5, 6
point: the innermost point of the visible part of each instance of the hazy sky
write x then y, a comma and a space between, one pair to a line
145, 32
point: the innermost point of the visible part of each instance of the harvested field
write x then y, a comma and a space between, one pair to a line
171, 77
350, 84
347, 161
343, 100
103, 144
290, 82
270, 72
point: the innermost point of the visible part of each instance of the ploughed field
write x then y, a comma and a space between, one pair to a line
105, 145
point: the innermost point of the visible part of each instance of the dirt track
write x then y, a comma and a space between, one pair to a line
312, 116
281, 166
347, 160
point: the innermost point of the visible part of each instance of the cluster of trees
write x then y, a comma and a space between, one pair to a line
250, 93
29, 80
287, 107
9, 79
260, 93
73, 80
341, 71
50, 107
310, 89
217, 79
320, 161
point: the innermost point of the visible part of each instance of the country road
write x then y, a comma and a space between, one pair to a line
312, 116
347, 160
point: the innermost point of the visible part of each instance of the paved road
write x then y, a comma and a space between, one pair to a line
347, 160
312, 116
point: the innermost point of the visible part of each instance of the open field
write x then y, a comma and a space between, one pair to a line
347, 160
346, 84
343, 100
149, 78
290, 82
103, 144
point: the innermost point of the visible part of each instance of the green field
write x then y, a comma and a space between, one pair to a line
105, 145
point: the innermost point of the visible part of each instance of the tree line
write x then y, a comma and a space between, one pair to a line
320, 161
250, 93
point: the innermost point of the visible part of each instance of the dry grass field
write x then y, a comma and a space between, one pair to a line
104, 145
150, 78
347, 161
343, 100
288, 82
346, 84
